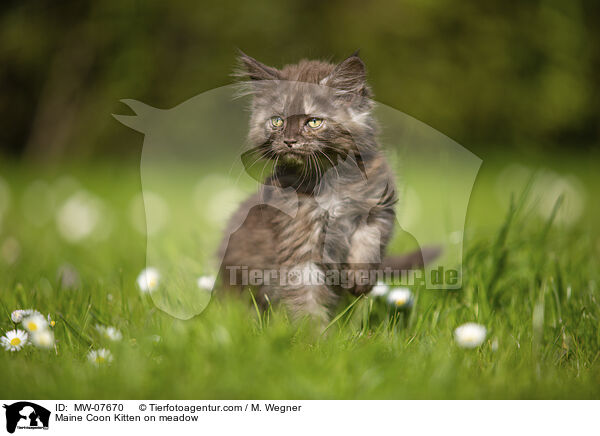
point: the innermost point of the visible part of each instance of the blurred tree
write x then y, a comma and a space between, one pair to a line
491, 75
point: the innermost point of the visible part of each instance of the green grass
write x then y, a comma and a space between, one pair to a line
533, 284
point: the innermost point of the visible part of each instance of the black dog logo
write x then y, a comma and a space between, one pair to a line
29, 415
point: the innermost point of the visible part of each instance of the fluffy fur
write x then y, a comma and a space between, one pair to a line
328, 202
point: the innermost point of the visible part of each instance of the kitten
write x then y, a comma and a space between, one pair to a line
327, 206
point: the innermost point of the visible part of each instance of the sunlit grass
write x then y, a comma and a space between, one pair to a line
532, 284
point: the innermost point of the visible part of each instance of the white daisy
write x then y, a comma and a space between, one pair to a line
379, 290
400, 297
14, 340
17, 316
100, 357
35, 322
42, 338
148, 280
470, 335
109, 332
206, 283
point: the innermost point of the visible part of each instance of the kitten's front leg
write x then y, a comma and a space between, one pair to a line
303, 292
367, 248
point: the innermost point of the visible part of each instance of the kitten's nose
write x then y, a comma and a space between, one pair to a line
290, 142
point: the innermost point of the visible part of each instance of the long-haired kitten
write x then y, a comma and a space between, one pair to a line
325, 212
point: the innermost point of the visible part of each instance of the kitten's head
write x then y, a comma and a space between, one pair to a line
309, 113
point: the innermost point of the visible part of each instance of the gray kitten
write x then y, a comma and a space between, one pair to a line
325, 212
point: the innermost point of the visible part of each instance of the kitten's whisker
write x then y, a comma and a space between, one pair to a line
310, 169
330, 161
262, 172
350, 156
316, 188
318, 163
263, 154
276, 172
303, 175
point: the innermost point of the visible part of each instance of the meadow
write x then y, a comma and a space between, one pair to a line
530, 277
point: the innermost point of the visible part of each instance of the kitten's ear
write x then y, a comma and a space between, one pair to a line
250, 68
350, 76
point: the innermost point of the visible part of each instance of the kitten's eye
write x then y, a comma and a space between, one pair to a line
276, 122
314, 123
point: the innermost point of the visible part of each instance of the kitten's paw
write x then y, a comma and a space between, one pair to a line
361, 283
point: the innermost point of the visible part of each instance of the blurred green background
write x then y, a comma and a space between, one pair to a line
493, 75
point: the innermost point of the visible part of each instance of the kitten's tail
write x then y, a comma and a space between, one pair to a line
413, 260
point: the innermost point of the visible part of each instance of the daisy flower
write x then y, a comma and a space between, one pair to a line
14, 340
470, 335
206, 282
35, 322
379, 290
148, 280
100, 357
111, 333
400, 297
18, 315
42, 338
